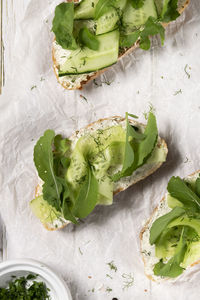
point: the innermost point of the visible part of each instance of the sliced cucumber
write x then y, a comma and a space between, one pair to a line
86, 60
136, 17
85, 10
108, 21
44, 211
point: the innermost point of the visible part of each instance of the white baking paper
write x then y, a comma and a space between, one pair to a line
33, 101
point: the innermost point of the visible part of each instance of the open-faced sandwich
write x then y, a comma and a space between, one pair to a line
91, 35
100, 160
170, 240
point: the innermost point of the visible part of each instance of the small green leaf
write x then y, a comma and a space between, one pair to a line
144, 149
171, 13
63, 25
152, 27
88, 39
178, 189
161, 223
127, 40
88, 196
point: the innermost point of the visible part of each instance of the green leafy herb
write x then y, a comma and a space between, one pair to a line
152, 27
171, 12
127, 40
178, 189
102, 7
88, 39
108, 290
161, 223
144, 148
55, 188
88, 196
63, 25
172, 267
137, 3
22, 289
33, 87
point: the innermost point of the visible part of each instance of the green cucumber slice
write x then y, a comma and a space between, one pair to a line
86, 60
136, 17
44, 211
161, 6
108, 21
85, 10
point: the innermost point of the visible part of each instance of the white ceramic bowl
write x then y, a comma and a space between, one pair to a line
23, 267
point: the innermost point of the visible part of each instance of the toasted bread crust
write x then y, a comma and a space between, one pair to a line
152, 170
146, 227
98, 73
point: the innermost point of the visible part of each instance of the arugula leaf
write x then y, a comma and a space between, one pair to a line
88, 39
60, 155
171, 12
178, 189
161, 223
137, 3
55, 189
88, 196
43, 158
151, 27
63, 25
172, 268
144, 149
129, 155
197, 186
103, 6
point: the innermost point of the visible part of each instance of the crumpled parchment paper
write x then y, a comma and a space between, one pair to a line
165, 78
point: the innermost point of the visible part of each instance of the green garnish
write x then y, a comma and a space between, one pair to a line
178, 92
25, 288
88, 39
63, 25
176, 235
112, 266
128, 280
76, 180
186, 72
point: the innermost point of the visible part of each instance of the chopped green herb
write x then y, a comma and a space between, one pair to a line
33, 87
42, 79
107, 275
23, 289
112, 266
80, 251
178, 92
108, 290
84, 98
128, 280
186, 72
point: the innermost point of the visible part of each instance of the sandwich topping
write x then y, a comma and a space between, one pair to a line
176, 234
84, 171
91, 35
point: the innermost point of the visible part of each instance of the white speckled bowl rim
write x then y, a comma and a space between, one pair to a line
21, 267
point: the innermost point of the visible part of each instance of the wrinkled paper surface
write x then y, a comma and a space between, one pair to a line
33, 101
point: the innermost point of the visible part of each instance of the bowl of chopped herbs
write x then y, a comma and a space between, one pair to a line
27, 279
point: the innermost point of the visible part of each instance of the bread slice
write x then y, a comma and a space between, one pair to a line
123, 183
148, 250
75, 82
